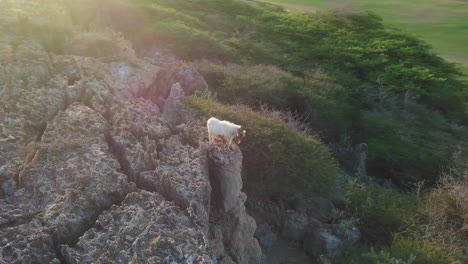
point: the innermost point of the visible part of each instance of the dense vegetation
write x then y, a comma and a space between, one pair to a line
402, 229
350, 74
440, 23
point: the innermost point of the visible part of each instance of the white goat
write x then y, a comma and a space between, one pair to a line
226, 130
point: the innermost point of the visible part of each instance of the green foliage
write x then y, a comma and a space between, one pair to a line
277, 159
442, 24
405, 140
250, 85
100, 44
44, 21
405, 251
381, 211
201, 43
349, 73
365, 256
426, 252
317, 94
345, 226
430, 231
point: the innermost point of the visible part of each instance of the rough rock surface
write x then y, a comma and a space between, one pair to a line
145, 228
228, 188
100, 162
181, 176
137, 128
62, 190
232, 225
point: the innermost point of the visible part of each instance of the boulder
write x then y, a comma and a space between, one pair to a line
321, 241
265, 235
295, 226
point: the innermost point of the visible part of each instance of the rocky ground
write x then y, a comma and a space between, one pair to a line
99, 162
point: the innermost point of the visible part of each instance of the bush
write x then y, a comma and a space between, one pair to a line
188, 43
366, 256
426, 252
405, 251
409, 142
316, 96
104, 44
251, 85
381, 212
277, 159
446, 209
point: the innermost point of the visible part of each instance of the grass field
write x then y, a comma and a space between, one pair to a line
441, 23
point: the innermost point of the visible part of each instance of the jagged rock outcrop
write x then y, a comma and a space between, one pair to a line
100, 162
232, 227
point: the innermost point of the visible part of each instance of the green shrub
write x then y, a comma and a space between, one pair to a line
187, 42
405, 251
365, 256
324, 101
277, 159
408, 141
251, 85
380, 211
101, 44
426, 252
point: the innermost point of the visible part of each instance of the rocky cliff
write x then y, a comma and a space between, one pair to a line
100, 163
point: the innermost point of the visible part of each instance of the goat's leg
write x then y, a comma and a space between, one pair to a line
210, 138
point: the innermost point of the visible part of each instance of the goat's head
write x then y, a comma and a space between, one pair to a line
240, 136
